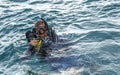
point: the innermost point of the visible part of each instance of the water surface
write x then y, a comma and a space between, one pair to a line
91, 28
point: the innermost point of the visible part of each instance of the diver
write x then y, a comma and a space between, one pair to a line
40, 39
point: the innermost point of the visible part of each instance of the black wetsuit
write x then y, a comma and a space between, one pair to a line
52, 38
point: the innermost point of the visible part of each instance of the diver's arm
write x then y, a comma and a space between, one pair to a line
30, 51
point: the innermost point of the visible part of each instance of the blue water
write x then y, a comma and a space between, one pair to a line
90, 30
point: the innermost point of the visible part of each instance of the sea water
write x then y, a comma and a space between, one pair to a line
90, 29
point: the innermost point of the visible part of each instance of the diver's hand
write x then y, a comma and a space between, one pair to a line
34, 42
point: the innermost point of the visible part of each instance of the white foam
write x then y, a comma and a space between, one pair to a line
82, 31
72, 71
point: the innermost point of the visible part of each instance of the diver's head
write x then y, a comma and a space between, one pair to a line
40, 24
40, 27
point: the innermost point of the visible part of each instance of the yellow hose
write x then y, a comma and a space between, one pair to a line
39, 45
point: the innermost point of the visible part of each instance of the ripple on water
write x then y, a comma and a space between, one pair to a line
18, 0
105, 72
